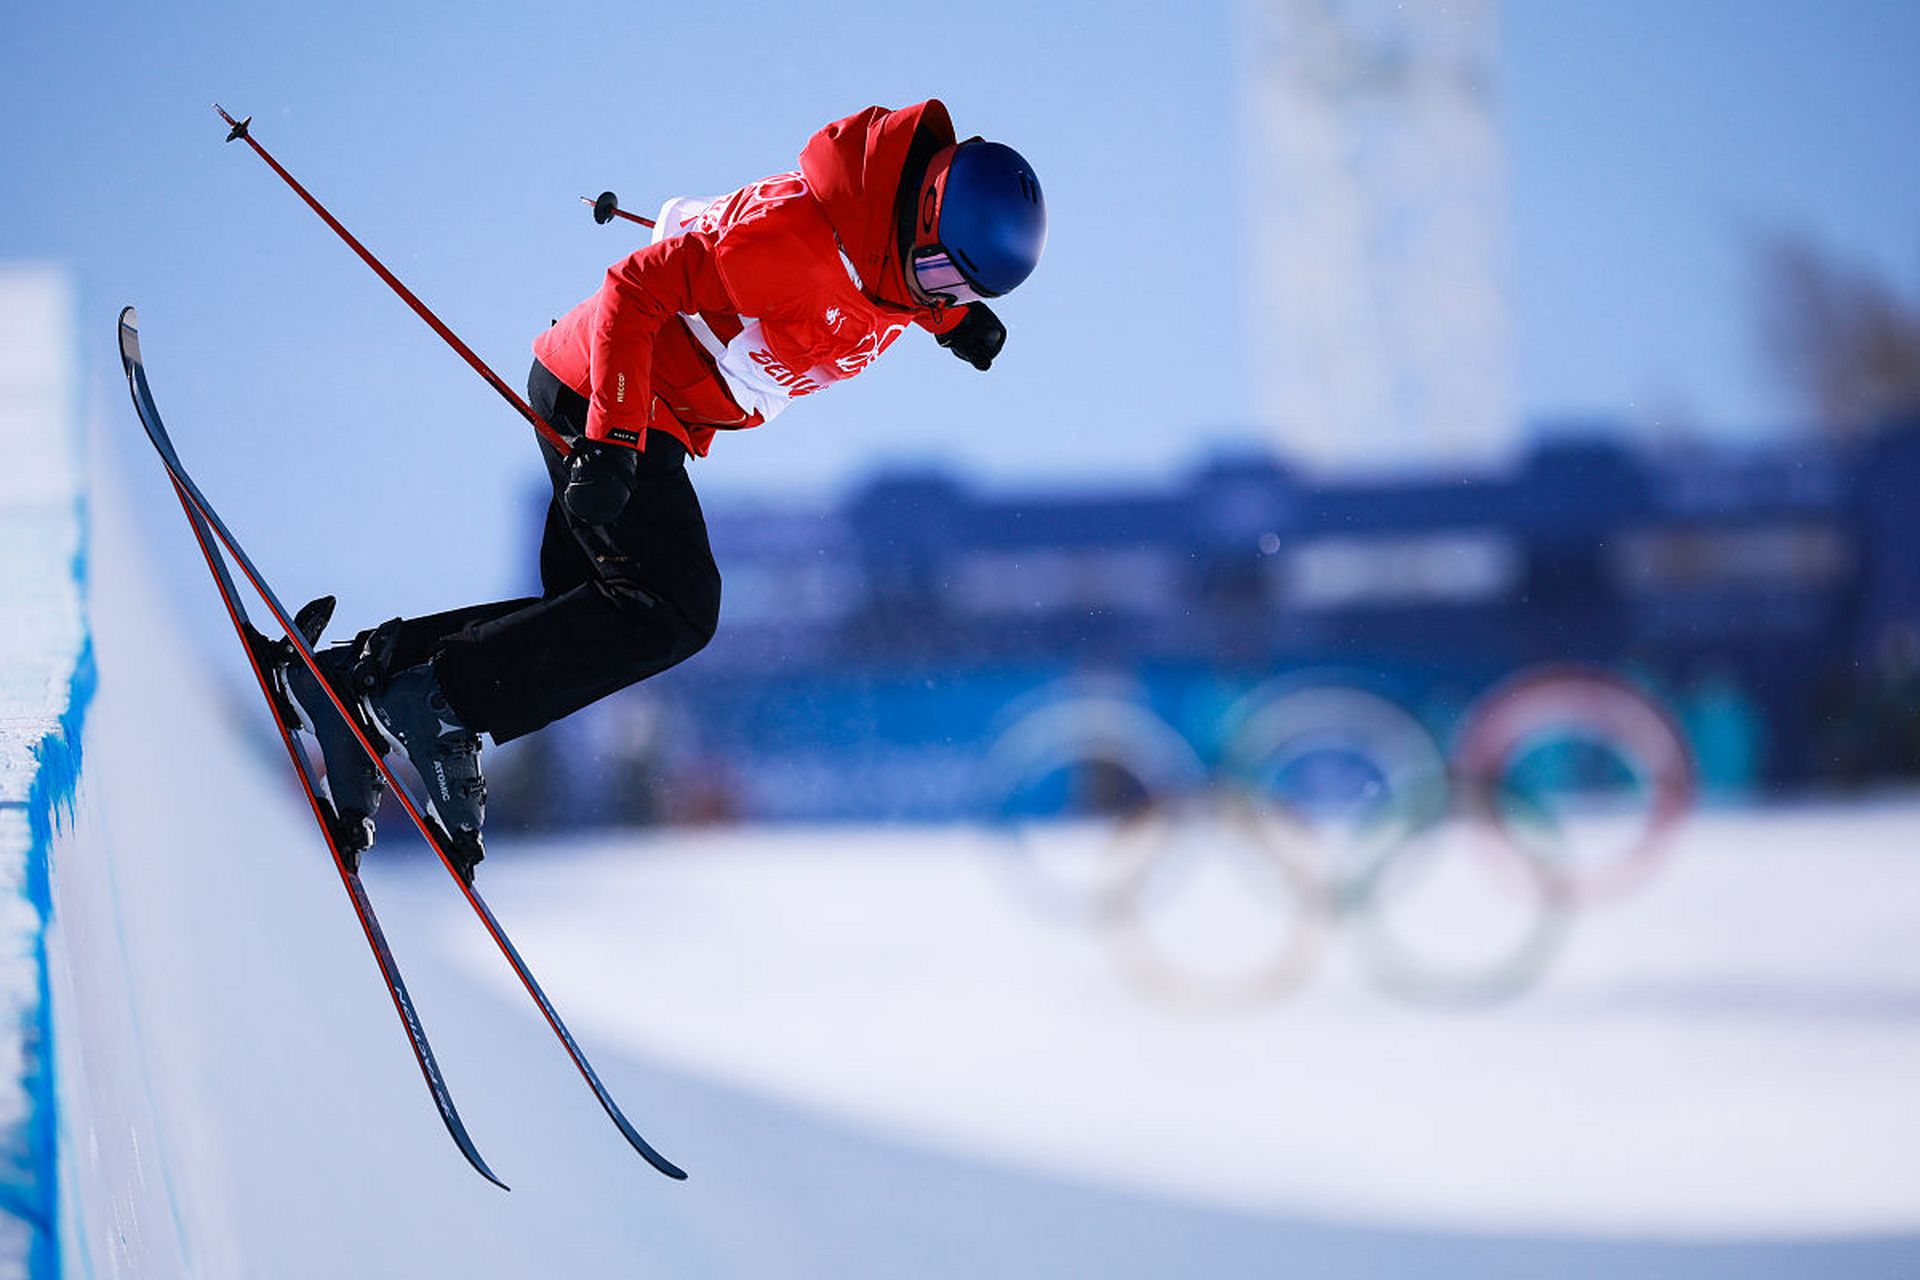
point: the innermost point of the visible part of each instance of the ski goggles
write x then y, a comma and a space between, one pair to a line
938, 276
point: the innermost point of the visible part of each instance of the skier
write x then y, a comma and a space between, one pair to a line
740, 305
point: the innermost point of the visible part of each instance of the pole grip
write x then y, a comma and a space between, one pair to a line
606, 207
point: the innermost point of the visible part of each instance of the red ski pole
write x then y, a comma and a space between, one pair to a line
547, 433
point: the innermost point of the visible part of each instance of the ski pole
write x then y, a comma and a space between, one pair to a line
547, 433
606, 207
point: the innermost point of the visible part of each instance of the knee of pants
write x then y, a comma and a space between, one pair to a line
701, 610
690, 610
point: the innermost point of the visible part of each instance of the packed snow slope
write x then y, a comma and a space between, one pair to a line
875, 1061
45, 680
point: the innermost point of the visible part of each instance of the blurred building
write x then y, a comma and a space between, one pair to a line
1376, 210
869, 652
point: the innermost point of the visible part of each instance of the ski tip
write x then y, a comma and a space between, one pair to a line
654, 1158
467, 1149
480, 1167
129, 334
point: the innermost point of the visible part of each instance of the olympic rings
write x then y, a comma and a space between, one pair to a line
1536, 711
1261, 857
1286, 738
1088, 759
1332, 805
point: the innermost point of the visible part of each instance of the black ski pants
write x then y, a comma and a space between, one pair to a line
618, 603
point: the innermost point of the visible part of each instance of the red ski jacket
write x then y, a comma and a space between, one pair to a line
750, 300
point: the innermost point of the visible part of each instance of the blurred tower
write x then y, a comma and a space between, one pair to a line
1378, 220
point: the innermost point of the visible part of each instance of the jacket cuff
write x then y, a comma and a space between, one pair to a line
599, 429
945, 320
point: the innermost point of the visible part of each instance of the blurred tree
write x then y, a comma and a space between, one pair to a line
1844, 340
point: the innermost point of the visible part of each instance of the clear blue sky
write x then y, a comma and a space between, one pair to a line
1650, 143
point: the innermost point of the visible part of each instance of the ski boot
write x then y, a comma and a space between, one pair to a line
353, 783
410, 711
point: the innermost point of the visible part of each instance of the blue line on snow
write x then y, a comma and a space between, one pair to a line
49, 805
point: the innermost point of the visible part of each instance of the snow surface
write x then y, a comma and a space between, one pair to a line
42, 637
1727, 1056
874, 1060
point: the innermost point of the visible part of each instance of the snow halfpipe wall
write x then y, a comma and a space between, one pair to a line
46, 679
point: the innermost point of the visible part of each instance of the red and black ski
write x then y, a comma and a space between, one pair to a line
323, 814
215, 539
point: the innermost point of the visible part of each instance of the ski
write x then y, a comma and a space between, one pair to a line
203, 515
286, 723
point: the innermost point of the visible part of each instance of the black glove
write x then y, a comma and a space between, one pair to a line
599, 480
978, 337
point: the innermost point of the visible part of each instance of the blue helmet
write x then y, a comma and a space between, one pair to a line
980, 224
